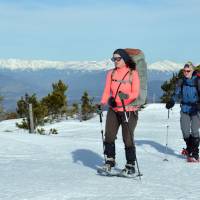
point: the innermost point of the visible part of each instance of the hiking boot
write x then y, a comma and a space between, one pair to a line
110, 162
129, 169
106, 168
188, 142
195, 147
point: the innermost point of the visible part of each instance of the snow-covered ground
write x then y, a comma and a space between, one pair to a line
63, 167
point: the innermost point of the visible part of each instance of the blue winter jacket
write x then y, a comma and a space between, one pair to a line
187, 90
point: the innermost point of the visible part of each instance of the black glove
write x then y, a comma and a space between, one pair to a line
111, 102
99, 109
123, 95
170, 104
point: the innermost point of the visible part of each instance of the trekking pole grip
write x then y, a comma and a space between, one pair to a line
123, 105
122, 100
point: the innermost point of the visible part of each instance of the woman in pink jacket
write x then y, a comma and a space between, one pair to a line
123, 79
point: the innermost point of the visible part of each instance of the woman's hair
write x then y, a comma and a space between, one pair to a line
127, 59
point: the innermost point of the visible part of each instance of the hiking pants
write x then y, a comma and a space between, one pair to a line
114, 120
190, 125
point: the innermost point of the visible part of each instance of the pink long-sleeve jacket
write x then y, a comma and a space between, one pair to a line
132, 89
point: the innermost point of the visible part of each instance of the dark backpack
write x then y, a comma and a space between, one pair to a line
196, 84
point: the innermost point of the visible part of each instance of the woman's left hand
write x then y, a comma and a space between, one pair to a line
123, 95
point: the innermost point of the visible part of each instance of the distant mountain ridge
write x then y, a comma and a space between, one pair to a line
19, 64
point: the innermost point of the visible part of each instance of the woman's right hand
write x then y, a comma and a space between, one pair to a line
99, 109
111, 102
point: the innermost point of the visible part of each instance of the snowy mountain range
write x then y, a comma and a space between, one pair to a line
18, 77
18, 64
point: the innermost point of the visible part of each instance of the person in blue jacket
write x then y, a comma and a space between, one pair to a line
188, 91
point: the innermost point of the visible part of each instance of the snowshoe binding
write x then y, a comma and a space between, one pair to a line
106, 169
128, 171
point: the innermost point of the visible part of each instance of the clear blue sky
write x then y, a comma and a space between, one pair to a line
91, 30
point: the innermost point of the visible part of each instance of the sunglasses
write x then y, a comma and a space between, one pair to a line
116, 59
187, 71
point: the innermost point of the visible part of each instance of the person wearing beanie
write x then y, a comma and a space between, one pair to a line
188, 91
122, 82
189, 64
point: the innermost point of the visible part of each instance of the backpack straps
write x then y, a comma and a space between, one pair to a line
123, 81
120, 85
131, 77
198, 86
181, 83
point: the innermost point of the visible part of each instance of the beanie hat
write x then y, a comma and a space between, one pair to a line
123, 54
189, 64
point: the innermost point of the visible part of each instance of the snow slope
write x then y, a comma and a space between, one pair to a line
63, 167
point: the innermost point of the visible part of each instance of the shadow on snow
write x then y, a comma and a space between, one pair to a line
91, 159
87, 157
159, 147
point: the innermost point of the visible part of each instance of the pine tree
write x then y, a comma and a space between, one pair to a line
39, 111
168, 87
75, 107
87, 107
74, 110
21, 108
56, 102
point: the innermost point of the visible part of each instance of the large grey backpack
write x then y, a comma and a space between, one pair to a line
141, 66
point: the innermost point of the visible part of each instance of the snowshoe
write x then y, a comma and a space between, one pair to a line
192, 159
106, 170
128, 171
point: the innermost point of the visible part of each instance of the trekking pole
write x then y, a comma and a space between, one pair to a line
101, 121
166, 145
126, 120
